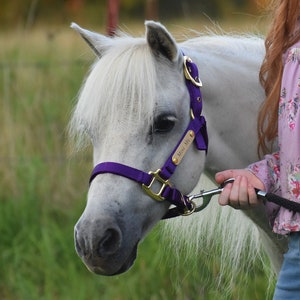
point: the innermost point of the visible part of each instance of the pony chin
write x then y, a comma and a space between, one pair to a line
110, 266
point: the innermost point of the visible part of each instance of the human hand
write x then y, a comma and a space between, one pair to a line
241, 193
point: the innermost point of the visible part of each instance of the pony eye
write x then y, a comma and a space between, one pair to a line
164, 124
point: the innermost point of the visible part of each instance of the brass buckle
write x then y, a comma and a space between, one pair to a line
188, 212
187, 73
156, 178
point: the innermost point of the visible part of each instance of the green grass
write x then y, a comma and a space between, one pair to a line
43, 192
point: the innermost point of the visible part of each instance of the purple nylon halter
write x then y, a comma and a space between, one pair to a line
197, 132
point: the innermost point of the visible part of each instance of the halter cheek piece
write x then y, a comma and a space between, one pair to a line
196, 132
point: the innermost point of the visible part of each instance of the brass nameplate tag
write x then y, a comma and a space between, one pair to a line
183, 147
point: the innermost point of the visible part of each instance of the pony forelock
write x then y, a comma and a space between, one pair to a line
119, 89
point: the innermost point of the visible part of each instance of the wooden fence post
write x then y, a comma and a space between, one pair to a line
112, 16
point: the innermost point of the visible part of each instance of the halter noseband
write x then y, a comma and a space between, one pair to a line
196, 132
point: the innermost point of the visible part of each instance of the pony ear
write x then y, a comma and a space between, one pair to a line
98, 42
161, 41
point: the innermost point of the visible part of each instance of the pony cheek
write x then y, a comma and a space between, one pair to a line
189, 171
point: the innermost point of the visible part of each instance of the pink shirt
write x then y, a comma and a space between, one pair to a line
280, 171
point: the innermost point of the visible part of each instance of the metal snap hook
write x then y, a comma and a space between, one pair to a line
207, 195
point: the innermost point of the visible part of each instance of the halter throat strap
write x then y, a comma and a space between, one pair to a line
196, 133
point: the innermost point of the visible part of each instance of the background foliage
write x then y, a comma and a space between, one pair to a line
30, 13
43, 187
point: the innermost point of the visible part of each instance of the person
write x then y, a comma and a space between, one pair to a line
278, 121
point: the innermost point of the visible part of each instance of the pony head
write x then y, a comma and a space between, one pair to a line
134, 106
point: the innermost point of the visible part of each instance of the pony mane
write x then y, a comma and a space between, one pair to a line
227, 44
119, 90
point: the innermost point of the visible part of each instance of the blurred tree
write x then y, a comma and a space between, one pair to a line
112, 16
74, 6
28, 12
151, 10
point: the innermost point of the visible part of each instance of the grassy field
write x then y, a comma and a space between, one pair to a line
43, 190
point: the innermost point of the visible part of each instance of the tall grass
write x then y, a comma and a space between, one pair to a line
43, 191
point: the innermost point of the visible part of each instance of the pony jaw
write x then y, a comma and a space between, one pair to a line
108, 268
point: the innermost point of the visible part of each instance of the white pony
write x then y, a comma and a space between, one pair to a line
134, 106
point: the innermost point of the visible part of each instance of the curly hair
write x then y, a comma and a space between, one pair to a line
281, 36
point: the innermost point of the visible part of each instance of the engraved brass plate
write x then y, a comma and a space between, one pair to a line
183, 147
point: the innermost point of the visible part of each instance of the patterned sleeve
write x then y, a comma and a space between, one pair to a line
268, 171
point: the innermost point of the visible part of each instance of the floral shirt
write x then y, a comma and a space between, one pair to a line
280, 171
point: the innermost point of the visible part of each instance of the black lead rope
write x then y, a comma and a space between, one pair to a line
291, 205
207, 195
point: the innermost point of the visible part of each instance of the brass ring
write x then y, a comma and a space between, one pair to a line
188, 212
187, 73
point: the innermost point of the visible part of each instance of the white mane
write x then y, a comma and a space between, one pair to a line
126, 71
226, 44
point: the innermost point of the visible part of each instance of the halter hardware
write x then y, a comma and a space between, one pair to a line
183, 147
156, 178
187, 212
195, 133
187, 72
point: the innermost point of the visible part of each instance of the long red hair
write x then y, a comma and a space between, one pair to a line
281, 36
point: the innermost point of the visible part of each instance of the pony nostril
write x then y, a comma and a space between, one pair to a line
110, 242
97, 239
79, 244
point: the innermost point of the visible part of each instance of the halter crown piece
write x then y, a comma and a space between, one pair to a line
196, 132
